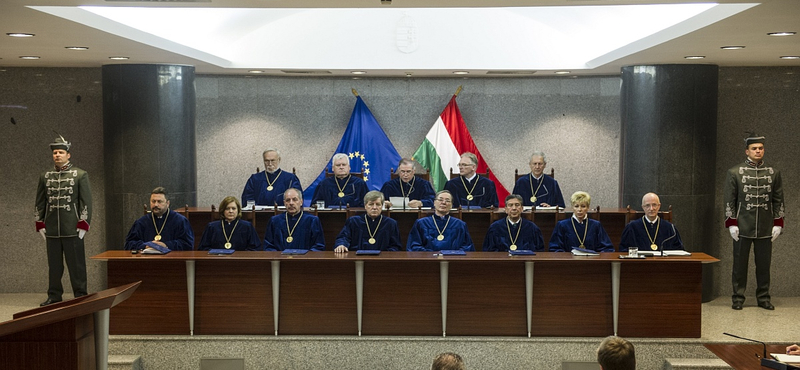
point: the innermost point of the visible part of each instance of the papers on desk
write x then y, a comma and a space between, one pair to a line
789, 359
583, 252
259, 208
666, 253
221, 251
153, 248
546, 208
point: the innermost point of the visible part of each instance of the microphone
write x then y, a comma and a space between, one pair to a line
766, 362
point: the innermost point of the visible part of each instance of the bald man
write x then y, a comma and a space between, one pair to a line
650, 233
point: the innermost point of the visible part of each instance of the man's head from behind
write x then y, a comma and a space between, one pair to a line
448, 361
616, 353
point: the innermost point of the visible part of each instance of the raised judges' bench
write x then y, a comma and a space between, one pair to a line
408, 293
478, 220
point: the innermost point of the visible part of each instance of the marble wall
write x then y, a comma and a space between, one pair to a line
574, 120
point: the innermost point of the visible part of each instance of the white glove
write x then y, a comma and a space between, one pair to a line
776, 230
81, 233
734, 232
41, 231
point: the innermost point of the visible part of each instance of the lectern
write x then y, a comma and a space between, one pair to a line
70, 335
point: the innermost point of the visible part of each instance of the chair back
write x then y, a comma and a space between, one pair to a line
457, 174
517, 175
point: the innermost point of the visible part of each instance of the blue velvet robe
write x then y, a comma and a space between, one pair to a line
307, 235
256, 187
634, 235
564, 238
354, 190
484, 194
423, 235
242, 238
498, 240
549, 192
177, 234
422, 190
355, 236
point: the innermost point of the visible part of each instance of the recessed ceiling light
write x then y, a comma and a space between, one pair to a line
358, 72
790, 57
460, 72
732, 47
781, 33
76, 47
256, 71
118, 58
694, 57
29, 57
561, 72
20, 34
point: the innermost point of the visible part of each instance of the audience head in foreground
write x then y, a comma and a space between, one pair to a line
448, 361
616, 353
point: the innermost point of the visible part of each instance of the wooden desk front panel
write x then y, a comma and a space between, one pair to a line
160, 305
401, 298
233, 297
486, 298
572, 299
660, 300
318, 297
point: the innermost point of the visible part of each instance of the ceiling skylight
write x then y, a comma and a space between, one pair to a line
515, 38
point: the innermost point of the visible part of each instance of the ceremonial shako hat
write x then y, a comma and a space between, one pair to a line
60, 143
752, 138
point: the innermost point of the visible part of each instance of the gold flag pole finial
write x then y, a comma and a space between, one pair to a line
354, 91
458, 90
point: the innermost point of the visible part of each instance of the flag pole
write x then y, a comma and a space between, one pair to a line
458, 90
354, 92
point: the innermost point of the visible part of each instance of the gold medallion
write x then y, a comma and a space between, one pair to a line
341, 195
227, 245
440, 237
513, 247
269, 188
289, 239
653, 247
582, 247
157, 238
533, 199
371, 240
470, 197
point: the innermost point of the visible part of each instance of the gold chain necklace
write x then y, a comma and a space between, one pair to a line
469, 191
572, 220
269, 184
228, 238
653, 245
372, 234
341, 188
158, 231
290, 238
411, 186
533, 193
440, 237
513, 240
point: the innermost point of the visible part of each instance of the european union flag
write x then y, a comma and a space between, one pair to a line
368, 147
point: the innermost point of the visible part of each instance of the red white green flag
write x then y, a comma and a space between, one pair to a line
442, 148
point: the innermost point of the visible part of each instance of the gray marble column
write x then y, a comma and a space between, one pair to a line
669, 131
149, 136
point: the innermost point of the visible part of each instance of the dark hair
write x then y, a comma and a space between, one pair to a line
616, 353
224, 204
160, 190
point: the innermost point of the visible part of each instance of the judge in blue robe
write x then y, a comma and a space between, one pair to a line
162, 226
418, 191
294, 229
579, 231
342, 188
650, 230
513, 230
439, 231
230, 231
370, 231
266, 187
470, 189
538, 189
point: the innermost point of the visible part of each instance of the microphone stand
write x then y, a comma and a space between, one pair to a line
766, 362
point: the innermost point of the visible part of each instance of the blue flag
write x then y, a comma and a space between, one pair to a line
367, 146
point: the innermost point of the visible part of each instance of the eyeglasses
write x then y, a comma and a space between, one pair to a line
465, 164
443, 200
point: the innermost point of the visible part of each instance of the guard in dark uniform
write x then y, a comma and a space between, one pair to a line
754, 212
63, 214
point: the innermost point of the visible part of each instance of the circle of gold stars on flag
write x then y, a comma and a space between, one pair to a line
364, 163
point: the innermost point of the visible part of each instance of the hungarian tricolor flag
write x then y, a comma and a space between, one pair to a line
443, 146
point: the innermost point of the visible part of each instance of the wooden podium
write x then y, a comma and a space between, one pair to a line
69, 335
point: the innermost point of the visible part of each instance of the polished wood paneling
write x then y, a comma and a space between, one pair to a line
233, 297
651, 294
160, 305
744, 356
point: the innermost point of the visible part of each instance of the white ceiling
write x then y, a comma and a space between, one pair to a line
420, 37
